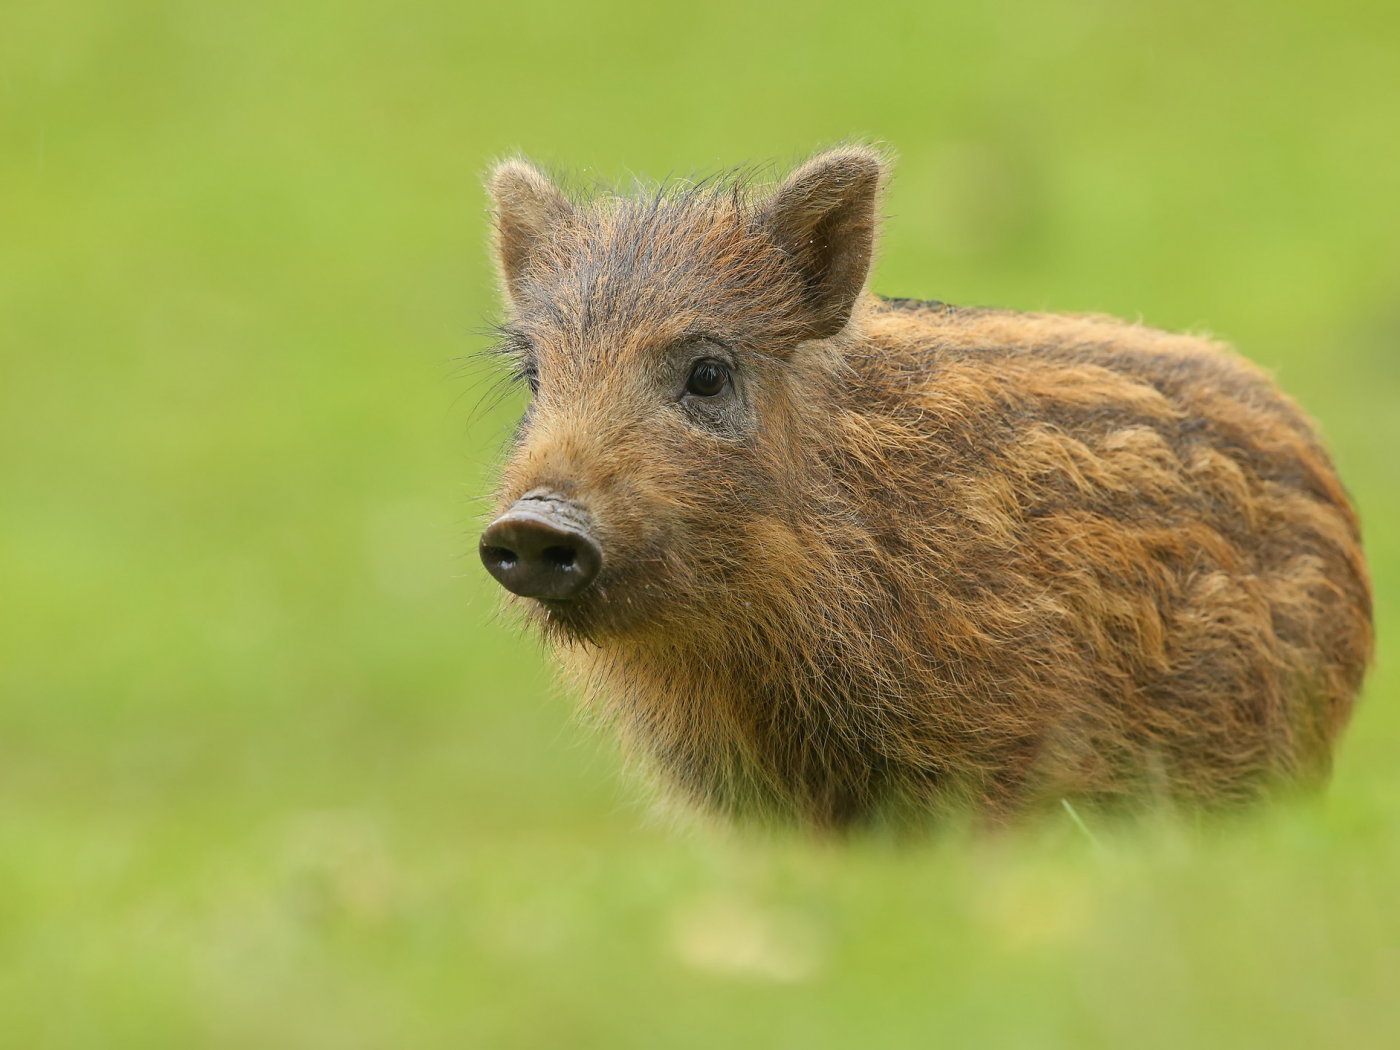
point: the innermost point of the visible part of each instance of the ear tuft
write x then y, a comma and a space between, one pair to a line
527, 207
824, 217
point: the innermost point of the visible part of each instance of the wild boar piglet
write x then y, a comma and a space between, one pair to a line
828, 558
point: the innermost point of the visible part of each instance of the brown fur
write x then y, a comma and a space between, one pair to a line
926, 556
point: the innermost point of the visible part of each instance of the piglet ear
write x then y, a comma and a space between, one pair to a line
527, 208
823, 217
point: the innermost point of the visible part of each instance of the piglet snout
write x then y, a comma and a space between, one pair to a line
542, 548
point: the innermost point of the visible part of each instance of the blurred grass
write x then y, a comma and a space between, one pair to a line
272, 773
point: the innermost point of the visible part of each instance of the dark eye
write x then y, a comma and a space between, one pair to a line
707, 378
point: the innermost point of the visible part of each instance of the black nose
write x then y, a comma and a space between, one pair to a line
539, 549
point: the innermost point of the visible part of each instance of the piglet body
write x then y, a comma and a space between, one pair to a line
824, 557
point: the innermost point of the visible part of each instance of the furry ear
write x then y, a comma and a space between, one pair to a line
823, 217
527, 207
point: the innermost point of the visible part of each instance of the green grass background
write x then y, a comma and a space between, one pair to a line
272, 772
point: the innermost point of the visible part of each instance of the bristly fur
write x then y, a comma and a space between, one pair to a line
926, 556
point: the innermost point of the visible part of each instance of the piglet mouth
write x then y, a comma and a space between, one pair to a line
542, 547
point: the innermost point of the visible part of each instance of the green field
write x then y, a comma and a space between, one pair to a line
274, 773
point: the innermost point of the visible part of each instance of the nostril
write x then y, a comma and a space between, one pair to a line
501, 557
560, 557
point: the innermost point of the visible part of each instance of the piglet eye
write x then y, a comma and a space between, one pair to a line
707, 378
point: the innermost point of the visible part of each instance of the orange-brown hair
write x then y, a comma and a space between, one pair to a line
914, 555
